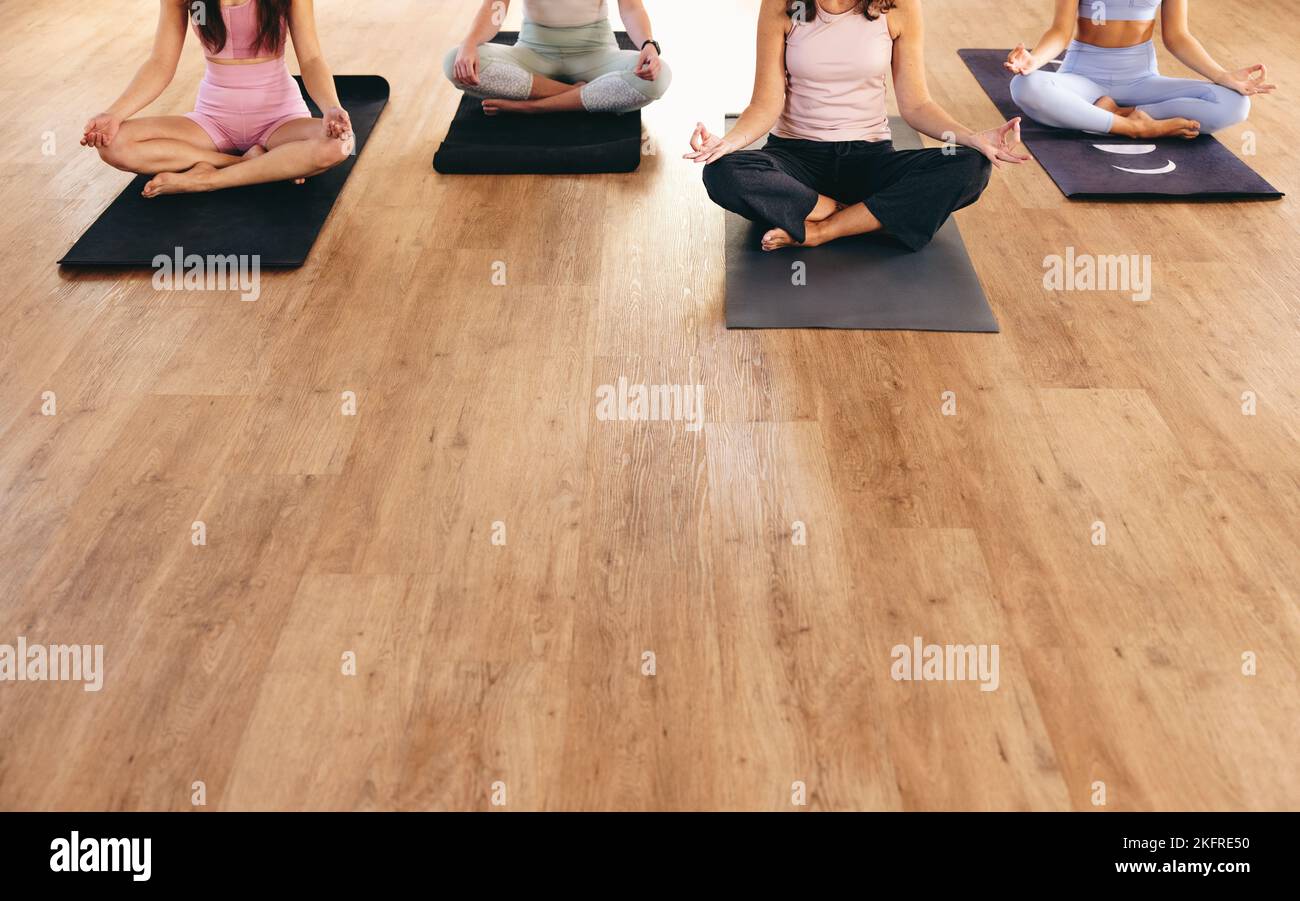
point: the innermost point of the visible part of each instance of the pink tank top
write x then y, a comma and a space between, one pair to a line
241, 34
835, 78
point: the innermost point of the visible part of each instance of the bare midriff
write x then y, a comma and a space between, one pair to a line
1116, 34
241, 62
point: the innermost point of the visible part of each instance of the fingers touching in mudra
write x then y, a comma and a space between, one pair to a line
707, 147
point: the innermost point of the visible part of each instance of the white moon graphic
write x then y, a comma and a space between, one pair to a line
1126, 148
1168, 167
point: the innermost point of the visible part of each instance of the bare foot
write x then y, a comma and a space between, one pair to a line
191, 181
494, 107
825, 209
1141, 125
1110, 106
257, 150
779, 237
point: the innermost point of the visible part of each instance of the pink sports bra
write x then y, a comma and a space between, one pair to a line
241, 34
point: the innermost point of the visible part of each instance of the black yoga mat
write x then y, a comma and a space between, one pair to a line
276, 222
1093, 167
575, 143
864, 282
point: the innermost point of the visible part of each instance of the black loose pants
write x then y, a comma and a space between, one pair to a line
911, 192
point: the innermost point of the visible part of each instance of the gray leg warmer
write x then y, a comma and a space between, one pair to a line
499, 79
502, 81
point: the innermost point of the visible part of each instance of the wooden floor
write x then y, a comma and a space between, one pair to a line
522, 664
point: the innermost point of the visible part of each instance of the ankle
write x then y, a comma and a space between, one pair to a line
206, 177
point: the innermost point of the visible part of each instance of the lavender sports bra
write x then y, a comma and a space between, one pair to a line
1103, 11
241, 34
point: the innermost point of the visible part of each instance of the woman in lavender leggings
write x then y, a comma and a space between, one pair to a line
1109, 83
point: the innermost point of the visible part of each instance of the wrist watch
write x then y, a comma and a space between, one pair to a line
658, 49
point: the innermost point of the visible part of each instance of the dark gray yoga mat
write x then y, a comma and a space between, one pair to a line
867, 282
1093, 167
276, 223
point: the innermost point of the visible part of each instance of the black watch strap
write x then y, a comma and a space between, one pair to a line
658, 49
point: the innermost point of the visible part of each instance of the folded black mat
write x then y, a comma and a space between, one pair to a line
560, 144
1094, 167
864, 282
276, 222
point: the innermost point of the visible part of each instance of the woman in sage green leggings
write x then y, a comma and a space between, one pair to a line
566, 59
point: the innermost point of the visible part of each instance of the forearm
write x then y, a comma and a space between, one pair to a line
754, 123
484, 28
149, 82
1189, 51
318, 78
931, 119
637, 22
1049, 47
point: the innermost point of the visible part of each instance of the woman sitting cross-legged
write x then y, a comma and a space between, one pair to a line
1109, 82
829, 169
566, 60
250, 124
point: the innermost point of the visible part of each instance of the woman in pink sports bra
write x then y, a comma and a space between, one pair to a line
829, 169
250, 124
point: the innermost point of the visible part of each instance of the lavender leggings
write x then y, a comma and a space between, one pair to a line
1128, 75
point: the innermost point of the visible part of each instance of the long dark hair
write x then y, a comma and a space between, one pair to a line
872, 9
272, 20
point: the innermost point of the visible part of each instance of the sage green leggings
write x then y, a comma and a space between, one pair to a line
587, 53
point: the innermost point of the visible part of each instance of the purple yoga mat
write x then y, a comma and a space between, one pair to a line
1107, 167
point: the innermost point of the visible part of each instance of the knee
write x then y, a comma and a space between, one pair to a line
979, 167
1028, 91
117, 154
449, 66
966, 174
620, 92
1230, 108
655, 90
329, 152
720, 179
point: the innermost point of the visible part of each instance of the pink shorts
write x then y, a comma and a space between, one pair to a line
239, 106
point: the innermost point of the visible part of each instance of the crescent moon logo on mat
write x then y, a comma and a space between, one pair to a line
1126, 148
1168, 167
1136, 150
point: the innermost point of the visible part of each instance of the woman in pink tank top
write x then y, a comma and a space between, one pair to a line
250, 124
829, 169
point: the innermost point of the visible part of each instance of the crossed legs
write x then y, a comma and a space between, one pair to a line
183, 158
813, 192
156, 144
516, 79
828, 221
294, 151
1151, 107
